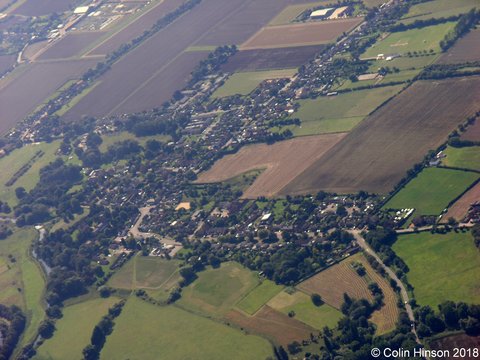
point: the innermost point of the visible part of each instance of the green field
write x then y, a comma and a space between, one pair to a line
442, 267
291, 12
167, 332
11, 163
427, 38
465, 158
216, 291
432, 190
329, 114
438, 9
74, 329
111, 139
259, 296
22, 282
243, 83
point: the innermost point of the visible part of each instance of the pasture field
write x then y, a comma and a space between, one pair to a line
466, 49
70, 45
442, 266
34, 8
216, 291
23, 274
313, 33
283, 161
465, 158
259, 296
377, 153
459, 208
404, 63
11, 163
432, 190
167, 332
427, 38
315, 316
74, 329
111, 139
244, 83
340, 113
291, 12
438, 9
268, 59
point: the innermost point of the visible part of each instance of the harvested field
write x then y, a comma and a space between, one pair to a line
380, 150
20, 97
473, 132
272, 324
300, 34
465, 50
37, 8
290, 13
70, 45
460, 208
32, 50
283, 161
267, 59
456, 341
6, 62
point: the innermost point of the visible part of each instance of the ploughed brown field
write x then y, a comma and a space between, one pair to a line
6, 62
70, 45
460, 208
44, 7
465, 50
313, 33
456, 341
266, 59
282, 162
472, 133
21, 95
272, 324
377, 153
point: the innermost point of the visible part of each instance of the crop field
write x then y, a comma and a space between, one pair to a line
20, 97
243, 83
167, 332
259, 297
291, 12
465, 158
315, 316
6, 61
442, 267
466, 49
283, 161
269, 59
456, 341
74, 329
217, 290
460, 207
432, 190
274, 325
427, 38
473, 132
438, 9
341, 278
340, 113
300, 34
377, 153
36, 8
70, 45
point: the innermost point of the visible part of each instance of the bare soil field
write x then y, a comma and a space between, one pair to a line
44, 7
20, 97
473, 132
465, 50
379, 151
266, 59
6, 61
272, 324
299, 34
460, 208
34, 49
70, 45
456, 341
283, 161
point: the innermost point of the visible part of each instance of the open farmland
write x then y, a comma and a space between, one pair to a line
70, 45
465, 49
427, 38
167, 332
290, 13
473, 132
283, 161
300, 34
243, 83
256, 298
442, 266
465, 157
20, 97
44, 7
377, 153
459, 208
456, 341
6, 61
438, 9
74, 329
268, 59
342, 278
340, 113
432, 190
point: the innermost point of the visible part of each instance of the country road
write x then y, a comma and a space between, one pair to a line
403, 292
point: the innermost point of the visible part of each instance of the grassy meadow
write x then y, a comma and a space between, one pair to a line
438, 9
465, 158
259, 296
